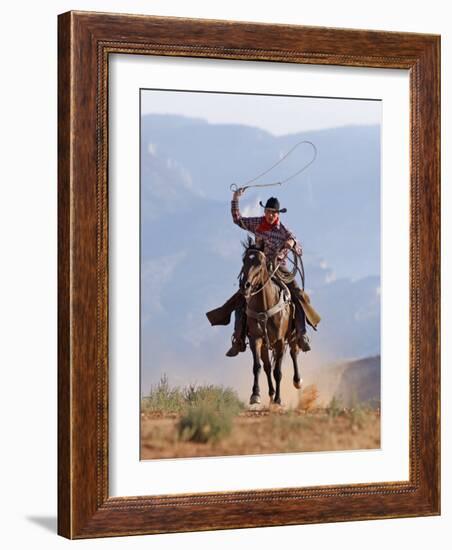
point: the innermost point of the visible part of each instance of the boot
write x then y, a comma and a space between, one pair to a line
237, 347
238, 338
300, 325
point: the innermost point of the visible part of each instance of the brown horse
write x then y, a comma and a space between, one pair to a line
270, 323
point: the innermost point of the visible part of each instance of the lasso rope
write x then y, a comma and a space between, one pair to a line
235, 187
286, 279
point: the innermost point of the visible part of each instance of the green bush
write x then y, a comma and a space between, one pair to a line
206, 411
219, 398
205, 422
209, 413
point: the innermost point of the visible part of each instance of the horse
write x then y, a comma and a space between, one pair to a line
270, 323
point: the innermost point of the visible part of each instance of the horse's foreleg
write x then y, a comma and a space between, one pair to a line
296, 373
277, 373
256, 346
268, 370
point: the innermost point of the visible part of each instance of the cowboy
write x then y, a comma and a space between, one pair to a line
277, 241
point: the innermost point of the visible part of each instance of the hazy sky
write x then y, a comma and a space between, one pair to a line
278, 115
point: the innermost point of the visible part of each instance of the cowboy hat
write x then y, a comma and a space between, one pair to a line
273, 204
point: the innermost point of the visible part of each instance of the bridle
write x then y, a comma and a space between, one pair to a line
251, 294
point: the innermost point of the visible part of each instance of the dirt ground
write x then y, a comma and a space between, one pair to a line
265, 432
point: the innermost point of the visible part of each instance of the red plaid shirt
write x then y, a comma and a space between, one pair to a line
273, 239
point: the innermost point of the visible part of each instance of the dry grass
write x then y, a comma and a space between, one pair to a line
268, 431
212, 421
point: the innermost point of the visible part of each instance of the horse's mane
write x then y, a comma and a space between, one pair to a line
249, 244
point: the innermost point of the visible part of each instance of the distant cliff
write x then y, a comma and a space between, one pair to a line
350, 382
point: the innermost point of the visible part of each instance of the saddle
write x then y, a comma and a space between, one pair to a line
222, 315
284, 299
312, 317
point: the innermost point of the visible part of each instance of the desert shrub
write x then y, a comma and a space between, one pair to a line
209, 413
203, 422
162, 398
216, 397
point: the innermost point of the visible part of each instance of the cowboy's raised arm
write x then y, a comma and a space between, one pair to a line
251, 224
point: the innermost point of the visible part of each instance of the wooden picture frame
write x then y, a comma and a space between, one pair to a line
85, 42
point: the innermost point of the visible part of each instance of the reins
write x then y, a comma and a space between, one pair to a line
266, 282
285, 280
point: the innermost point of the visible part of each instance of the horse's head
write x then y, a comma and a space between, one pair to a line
254, 268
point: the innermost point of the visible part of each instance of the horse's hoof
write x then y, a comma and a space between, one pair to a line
255, 399
298, 384
277, 401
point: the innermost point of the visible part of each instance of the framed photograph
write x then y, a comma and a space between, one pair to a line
249, 275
